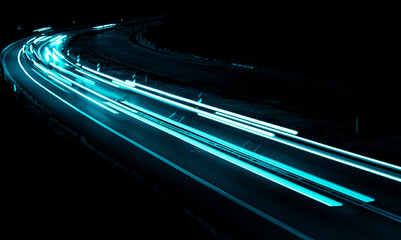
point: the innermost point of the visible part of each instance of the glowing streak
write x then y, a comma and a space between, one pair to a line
43, 29
284, 131
132, 86
264, 159
70, 88
243, 119
38, 56
200, 112
100, 73
38, 39
261, 133
276, 179
337, 159
55, 58
57, 40
62, 82
189, 174
90, 99
58, 53
50, 81
249, 120
72, 74
47, 58
256, 122
97, 78
351, 154
47, 51
106, 26
42, 39
221, 111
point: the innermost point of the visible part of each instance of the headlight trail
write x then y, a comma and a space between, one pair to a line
161, 158
109, 93
227, 119
235, 120
288, 133
115, 107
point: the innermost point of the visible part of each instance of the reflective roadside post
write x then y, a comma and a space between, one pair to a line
200, 94
356, 126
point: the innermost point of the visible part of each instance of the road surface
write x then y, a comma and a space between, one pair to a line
257, 177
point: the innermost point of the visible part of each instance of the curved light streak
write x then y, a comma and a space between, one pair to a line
53, 57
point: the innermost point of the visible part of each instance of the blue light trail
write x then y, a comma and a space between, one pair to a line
274, 178
168, 162
250, 125
110, 105
251, 129
260, 166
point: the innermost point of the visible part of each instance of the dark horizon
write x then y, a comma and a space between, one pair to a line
361, 38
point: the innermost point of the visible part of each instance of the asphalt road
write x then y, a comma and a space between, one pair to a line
206, 163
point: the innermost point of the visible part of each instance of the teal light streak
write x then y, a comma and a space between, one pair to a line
47, 58
55, 58
57, 40
73, 74
233, 124
256, 122
62, 80
200, 112
301, 147
337, 159
106, 26
276, 179
49, 80
351, 154
249, 167
97, 78
295, 171
189, 174
58, 53
132, 86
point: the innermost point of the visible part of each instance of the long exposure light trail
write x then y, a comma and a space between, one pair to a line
290, 185
109, 106
254, 122
189, 174
267, 160
69, 75
240, 124
263, 168
267, 126
236, 120
281, 181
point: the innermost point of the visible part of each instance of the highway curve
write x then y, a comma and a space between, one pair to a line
287, 187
